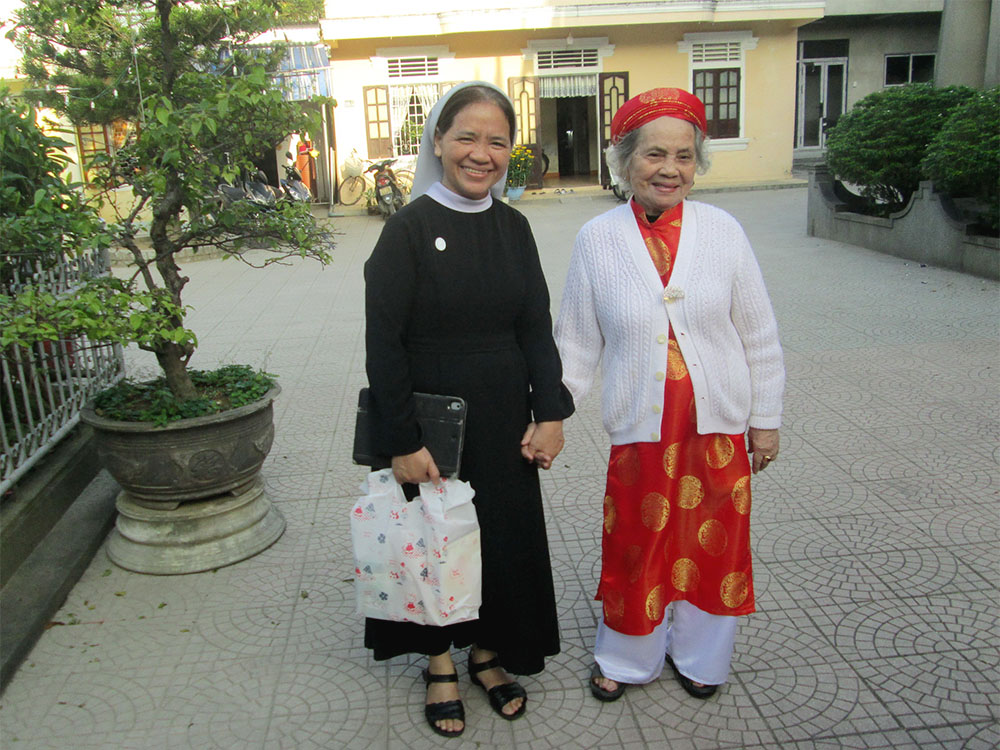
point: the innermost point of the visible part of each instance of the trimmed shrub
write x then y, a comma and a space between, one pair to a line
963, 159
879, 145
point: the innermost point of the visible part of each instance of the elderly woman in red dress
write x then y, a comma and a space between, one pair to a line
668, 292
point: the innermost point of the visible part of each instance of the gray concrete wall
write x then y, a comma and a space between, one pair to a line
962, 45
924, 231
871, 39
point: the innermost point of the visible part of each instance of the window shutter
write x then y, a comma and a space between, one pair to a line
412, 67
567, 59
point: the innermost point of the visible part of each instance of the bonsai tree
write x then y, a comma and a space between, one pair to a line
195, 106
880, 143
963, 159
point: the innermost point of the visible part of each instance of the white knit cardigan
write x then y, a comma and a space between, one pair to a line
614, 305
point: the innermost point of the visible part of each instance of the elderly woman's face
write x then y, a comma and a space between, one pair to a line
662, 168
475, 150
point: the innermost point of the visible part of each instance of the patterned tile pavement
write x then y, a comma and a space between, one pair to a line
876, 538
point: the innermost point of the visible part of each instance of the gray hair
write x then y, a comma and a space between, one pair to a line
619, 156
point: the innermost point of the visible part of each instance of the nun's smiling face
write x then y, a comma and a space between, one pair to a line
475, 150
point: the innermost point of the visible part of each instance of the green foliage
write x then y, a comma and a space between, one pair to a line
963, 159
880, 143
301, 11
204, 107
105, 309
228, 387
42, 218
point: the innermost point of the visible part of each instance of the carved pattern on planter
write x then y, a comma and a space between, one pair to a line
190, 459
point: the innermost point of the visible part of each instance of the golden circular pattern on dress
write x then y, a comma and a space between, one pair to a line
676, 368
720, 451
685, 574
626, 466
712, 537
734, 589
633, 562
610, 515
690, 492
654, 511
660, 254
614, 607
670, 458
693, 412
741, 495
654, 604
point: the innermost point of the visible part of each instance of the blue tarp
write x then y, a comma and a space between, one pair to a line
305, 72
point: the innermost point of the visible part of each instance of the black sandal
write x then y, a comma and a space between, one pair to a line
446, 709
600, 693
499, 695
700, 692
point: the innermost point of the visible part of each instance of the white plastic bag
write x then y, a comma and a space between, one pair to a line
420, 561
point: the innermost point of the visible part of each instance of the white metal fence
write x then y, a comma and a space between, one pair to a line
45, 387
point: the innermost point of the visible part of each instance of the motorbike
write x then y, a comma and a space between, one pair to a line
254, 189
293, 187
388, 196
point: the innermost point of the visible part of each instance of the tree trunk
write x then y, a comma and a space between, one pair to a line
172, 361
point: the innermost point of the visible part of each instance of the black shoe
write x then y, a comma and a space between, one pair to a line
702, 692
499, 695
446, 709
600, 693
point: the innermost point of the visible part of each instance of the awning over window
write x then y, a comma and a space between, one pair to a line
550, 87
305, 72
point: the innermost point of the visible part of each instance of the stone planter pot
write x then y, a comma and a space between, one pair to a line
191, 497
191, 459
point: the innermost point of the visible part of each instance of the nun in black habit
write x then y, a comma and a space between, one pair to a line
456, 304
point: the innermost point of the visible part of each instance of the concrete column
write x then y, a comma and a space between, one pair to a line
962, 42
992, 77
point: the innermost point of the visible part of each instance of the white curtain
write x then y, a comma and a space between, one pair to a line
551, 87
399, 102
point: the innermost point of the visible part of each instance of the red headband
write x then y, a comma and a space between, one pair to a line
655, 103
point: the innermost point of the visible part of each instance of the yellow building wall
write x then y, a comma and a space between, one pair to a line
649, 54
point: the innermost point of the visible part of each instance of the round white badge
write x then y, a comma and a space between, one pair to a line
440, 244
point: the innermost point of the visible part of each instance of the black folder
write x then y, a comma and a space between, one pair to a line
442, 424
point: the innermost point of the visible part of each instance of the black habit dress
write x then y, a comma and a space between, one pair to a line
456, 304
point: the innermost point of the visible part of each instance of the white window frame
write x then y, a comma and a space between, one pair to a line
746, 41
380, 64
530, 53
910, 55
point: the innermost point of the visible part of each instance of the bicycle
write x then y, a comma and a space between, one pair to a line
357, 182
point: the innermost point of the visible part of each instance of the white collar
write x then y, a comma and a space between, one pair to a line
457, 202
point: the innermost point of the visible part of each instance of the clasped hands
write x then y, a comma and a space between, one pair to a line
541, 444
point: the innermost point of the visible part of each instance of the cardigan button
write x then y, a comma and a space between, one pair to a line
661, 339
656, 409
655, 436
659, 376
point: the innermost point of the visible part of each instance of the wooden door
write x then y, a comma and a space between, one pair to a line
612, 90
377, 125
524, 93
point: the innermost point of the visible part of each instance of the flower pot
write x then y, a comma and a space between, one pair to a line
515, 193
191, 496
190, 459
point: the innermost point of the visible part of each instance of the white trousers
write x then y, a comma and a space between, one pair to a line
700, 644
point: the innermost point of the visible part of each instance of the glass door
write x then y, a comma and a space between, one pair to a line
822, 93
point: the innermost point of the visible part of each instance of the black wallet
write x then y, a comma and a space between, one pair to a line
442, 423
